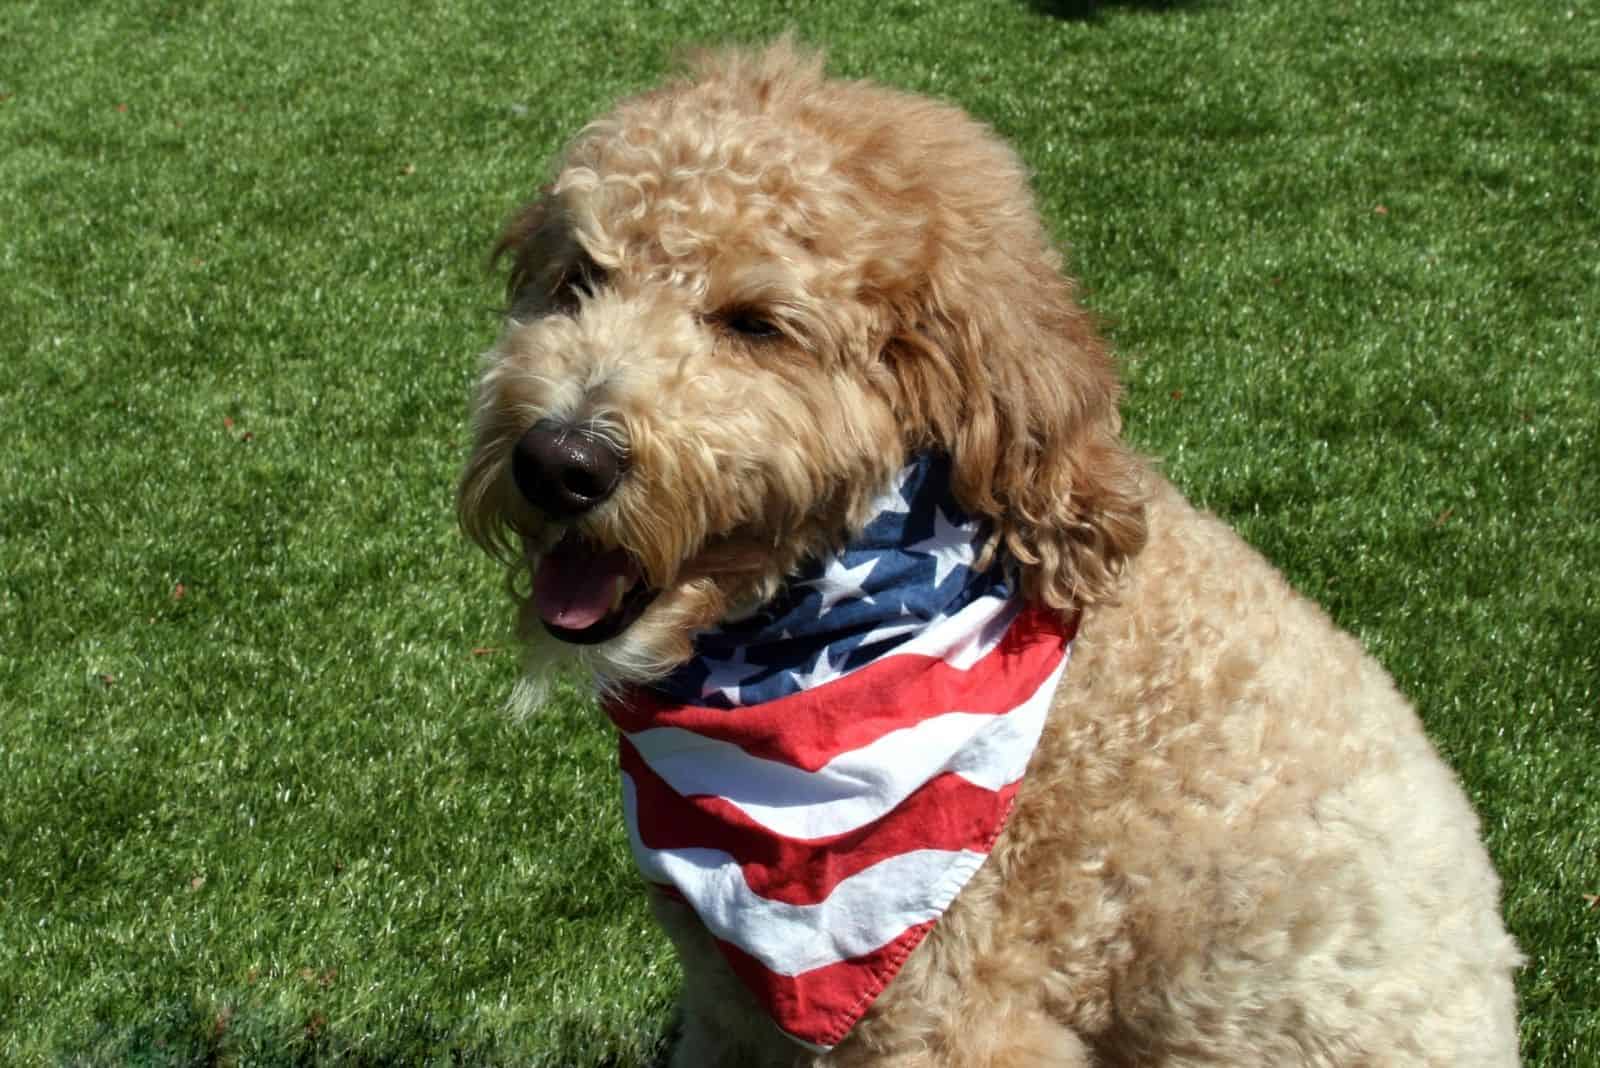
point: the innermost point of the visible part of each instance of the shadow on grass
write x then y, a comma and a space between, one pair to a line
1090, 10
199, 1035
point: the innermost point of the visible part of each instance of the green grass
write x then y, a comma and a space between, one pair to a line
258, 803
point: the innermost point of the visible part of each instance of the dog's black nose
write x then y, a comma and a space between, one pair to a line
564, 471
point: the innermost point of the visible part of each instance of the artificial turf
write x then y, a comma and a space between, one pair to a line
258, 804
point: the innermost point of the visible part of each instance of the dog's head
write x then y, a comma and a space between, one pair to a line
742, 302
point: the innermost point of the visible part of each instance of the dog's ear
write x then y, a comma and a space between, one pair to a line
542, 248
996, 363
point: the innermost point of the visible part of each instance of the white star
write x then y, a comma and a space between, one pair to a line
894, 499
951, 546
821, 673
726, 676
840, 583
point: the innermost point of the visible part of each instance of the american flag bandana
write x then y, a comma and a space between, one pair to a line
820, 780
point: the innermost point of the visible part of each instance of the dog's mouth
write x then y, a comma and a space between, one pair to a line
585, 593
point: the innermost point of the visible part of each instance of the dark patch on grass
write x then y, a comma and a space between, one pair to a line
1091, 10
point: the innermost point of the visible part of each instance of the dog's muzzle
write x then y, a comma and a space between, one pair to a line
563, 470
584, 592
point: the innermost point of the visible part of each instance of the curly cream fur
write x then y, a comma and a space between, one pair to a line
1234, 845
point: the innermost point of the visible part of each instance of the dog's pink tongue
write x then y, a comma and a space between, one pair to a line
575, 586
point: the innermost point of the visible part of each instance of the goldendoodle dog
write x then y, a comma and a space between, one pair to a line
950, 734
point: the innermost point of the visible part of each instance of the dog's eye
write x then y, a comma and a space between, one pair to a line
590, 278
582, 279
750, 324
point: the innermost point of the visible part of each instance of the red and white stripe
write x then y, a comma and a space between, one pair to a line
820, 836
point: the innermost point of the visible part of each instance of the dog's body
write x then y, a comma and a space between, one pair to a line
1234, 847
743, 302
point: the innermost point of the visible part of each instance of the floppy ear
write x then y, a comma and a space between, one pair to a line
543, 249
997, 364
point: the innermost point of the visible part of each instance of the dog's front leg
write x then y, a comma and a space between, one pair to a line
1028, 1042
997, 1039
720, 1024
